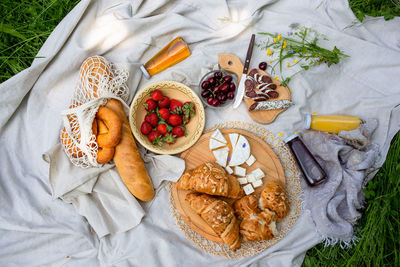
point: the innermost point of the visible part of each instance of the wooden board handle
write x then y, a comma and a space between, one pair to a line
231, 63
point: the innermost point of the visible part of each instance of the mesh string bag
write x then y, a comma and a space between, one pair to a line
98, 81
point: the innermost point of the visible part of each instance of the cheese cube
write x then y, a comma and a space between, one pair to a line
242, 180
251, 177
248, 189
239, 171
258, 173
251, 160
228, 169
257, 183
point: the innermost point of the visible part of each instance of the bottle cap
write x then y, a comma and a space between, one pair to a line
307, 121
291, 137
146, 74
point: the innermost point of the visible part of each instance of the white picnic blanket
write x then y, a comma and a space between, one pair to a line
38, 230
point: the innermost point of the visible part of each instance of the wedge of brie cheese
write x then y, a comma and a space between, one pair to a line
217, 135
233, 137
240, 152
221, 156
214, 144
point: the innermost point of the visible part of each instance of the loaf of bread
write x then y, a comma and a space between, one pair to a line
210, 178
128, 161
218, 215
274, 198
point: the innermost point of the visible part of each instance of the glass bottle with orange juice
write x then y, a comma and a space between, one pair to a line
176, 51
332, 123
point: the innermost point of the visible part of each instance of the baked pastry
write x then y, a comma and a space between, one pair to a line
259, 226
210, 178
218, 215
273, 197
246, 206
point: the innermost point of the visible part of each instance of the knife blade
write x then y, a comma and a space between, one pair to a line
240, 91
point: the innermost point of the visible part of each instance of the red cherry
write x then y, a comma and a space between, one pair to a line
205, 85
212, 81
227, 79
232, 87
262, 65
215, 102
224, 88
231, 95
205, 93
218, 75
210, 100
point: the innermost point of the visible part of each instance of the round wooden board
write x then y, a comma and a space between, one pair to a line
267, 160
173, 90
232, 63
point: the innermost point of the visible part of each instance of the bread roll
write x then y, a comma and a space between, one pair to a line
128, 161
273, 197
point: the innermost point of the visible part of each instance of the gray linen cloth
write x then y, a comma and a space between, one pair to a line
347, 158
37, 229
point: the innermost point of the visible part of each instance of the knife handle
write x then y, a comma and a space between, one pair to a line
249, 53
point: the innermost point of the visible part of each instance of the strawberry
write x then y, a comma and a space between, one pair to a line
189, 110
155, 138
175, 120
179, 131
150, 104
156, 95
175, 106
162, 128
164, 103
145, 128
152, 119
164, 113
170, 138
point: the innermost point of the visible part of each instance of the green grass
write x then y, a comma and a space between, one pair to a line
25, 25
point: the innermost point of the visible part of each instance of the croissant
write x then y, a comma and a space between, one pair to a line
256, 225
210, 178
246, 206
273, 197
218, 215
259, 226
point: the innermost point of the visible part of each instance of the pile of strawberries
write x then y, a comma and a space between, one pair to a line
166, 118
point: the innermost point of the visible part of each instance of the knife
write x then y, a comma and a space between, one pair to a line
240, 91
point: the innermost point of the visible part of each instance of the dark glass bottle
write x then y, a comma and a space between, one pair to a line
312, 171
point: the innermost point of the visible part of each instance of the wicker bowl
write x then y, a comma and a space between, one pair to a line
177, 91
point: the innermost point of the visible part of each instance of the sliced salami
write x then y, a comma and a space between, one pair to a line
273, 94
252, 72
249, 85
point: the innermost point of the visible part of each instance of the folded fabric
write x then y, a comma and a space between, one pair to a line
99, 194
347, 159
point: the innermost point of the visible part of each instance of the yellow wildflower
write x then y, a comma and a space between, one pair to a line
269, 52
274, 40
280, 134
295, 61
279, 37
290, 90
314, 112
270, 62
288, 65
276, 78
296, 132
284, 45
264, 137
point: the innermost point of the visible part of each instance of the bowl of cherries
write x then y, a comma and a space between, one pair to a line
217, 88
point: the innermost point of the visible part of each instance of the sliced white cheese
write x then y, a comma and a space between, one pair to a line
221, 155
258, 173
215, 144
239, 171
241, 152
251, 160
242, 180
257, 183
233, 137
248, 189
228, 169
217, 135
251, 178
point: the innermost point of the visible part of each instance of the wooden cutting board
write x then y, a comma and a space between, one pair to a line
232, 63
267, 160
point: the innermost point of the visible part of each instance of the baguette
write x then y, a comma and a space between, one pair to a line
128, 161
